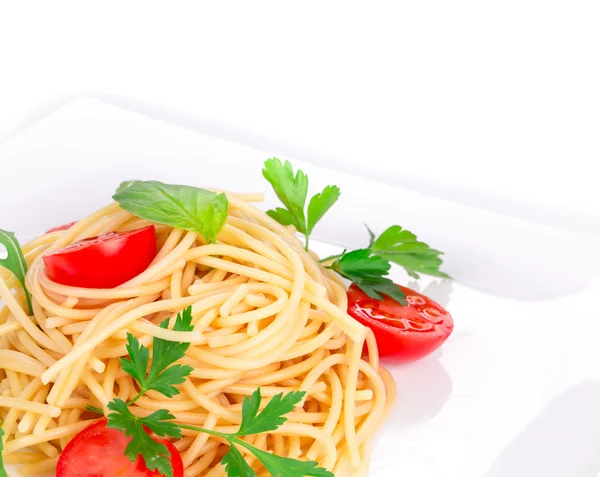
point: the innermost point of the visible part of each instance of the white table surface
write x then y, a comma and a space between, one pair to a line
493, 104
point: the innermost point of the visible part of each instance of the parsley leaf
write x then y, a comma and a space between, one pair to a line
182, 207
285, 467
400, 246
155, 455
137, 364
292, 191
15, 262
320, 204
2, 469
235, 464
160, 423
271, 417
368, 272
162, 376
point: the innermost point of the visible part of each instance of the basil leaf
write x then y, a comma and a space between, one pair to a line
182, 207
15, 261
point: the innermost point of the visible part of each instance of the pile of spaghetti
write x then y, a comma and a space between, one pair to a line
265, 313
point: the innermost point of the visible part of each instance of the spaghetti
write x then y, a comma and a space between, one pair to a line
265, 312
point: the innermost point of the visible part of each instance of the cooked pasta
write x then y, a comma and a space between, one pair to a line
265, 313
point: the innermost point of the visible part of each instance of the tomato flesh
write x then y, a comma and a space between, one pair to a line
98, 451
105, 261
403, 333
61, 227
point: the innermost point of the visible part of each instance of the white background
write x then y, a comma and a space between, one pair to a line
491, 103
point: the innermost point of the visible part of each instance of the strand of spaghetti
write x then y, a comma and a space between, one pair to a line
373, 419
105, 294
35, 288
66, 237
279, 236
302, 430
48, 435
74, 376
262, 357
150, 329
21, 363
312, 345
233, 235
34, 350
107, 224
28, 392
9, 328
197, 446
31, 406
281, 299
94, 387
279, 375
173, 256
353, 353
60, 339
27, 420
14, 380
203, 401
24, 320
106, 332
171, 242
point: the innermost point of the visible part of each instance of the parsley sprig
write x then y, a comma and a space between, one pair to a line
292, 191
162, 375
368, 268
368, 272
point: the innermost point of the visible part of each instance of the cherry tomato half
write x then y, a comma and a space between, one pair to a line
105, 261
61, 227
403, 333
98, 451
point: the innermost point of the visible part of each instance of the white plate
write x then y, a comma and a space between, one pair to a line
514, 392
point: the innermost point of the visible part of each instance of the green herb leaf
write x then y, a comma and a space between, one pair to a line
292, 191
382, 286
402, 247
283, 216
15, 262
155, 455
271, 417
182, 207
161, 377
320, 204
361, 263
235, 465
285, 467
368, 272
2, 469
137, 364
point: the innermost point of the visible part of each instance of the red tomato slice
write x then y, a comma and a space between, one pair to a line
105, 261
403, 333
98, 451
61, 227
